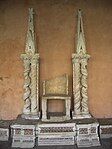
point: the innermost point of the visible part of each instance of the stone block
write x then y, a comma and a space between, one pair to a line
4, 134
106, 131
87, 135
23, 136
56, 134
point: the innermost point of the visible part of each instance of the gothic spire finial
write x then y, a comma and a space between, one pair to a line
30, 41
81, 47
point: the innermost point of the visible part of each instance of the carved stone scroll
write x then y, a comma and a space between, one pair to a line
79, 60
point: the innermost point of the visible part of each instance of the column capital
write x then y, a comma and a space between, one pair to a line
77, 57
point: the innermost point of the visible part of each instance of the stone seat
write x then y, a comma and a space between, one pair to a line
56, 90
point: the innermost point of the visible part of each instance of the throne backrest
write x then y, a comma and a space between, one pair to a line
56, 86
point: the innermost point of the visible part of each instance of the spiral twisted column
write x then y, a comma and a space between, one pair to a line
27, 81
76, 85
34, 75
84, 102
37, 85
77, 95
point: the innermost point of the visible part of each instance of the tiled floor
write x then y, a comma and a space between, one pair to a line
105, 144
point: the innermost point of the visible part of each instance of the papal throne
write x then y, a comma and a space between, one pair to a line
56, 102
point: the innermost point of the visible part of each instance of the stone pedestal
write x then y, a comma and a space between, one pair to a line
31, 117
105, 128
80, 116
56, 134
106, 131
5, 130
23, 133
4, 134
23, 136
87, 133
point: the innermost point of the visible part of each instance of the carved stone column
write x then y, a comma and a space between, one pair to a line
79, 60
77, 85
34, 85
84, 94
27, 81
31, 73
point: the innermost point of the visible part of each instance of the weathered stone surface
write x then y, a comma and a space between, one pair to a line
80, 74
58, 85
56, 134
31, 73
67, 107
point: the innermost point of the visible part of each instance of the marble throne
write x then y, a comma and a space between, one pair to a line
56, 91
56, 102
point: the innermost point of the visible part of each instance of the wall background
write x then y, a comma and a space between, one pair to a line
55, 29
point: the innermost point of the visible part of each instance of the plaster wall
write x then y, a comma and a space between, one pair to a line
55, 22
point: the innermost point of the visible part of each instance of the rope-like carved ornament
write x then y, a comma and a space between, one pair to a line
27, 93
84, 87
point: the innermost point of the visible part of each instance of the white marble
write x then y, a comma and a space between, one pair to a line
56, 134
79, 60
23, 136
31, 73
87, 135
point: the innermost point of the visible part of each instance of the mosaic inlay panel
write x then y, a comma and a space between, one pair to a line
18, 131
28, 131
83, 131
93, 130
3, 133
56, 129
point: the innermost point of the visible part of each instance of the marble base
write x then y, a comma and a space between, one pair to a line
52, 141
30, 116
85, 132
23, 136
57, 119
80, 116
56, 134
87, 135
4, 134
23, 142
106, 131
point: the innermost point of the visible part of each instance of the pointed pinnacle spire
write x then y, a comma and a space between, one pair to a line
81, 47
30, 41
